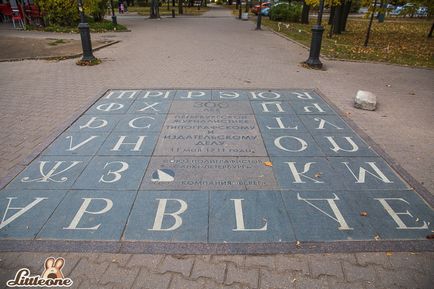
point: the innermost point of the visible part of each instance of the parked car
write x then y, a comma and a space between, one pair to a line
422, 11
396, 11
255, 9
265, 11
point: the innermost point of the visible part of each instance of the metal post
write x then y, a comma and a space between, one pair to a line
114, 20
240, 11
315, 45
259, 19
85, 35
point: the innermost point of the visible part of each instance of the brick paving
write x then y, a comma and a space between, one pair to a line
37, 97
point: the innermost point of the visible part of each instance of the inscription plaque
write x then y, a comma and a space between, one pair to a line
211, 166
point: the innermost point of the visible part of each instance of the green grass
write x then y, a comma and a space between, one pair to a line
399, 42
104, 26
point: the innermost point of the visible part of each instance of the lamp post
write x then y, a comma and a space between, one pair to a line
86, 44
315, 45
114, 20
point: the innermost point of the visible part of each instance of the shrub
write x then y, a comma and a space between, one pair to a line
355, 6
286, 12
59, 12
96, 8
219, 2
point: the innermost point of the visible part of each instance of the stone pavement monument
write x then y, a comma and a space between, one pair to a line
252, 171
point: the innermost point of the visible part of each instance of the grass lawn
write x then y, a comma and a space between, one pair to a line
394, 41
164, 12
104, 26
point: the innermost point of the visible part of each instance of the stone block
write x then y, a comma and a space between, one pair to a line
365, 100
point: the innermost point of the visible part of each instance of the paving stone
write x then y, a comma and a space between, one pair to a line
274, 108
208, 270
148, 106
193, 94
402, 279
228, 94
178, 264
88, 269
249, 277
76, 143
129, 144
85, 215
50, 172
39, 204
181, 283
150, 280
71, 261
274, 280
189, 225
87, 284
377, 258
122, 94
120, 276
120, 260
264, 218
148, 261
334, 284
218, 173
367, 173
211, 107
33, 261
113, 173
292, 263
235, 259
421, 262
157, 94
314, 220
261, 261
325, 265
303, 282
355, 273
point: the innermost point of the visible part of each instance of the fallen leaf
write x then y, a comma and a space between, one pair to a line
376, 237
317, 175
268, 164
363, 213
389, 254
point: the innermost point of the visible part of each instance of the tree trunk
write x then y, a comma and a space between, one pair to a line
332, 14
347, 12
305, 13
180, 10
337, 20
342, 15
430, 32
154, 9
370, 24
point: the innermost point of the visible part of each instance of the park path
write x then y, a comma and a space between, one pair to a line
37, 97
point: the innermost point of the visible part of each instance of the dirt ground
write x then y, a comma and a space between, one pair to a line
13, 48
